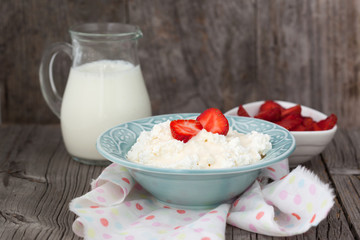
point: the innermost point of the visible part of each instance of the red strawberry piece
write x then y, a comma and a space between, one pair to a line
242, 112
272, 114
316, 127
293, 110
184, 130
292, 116
214, 121
269, 104
289, 124
328, 123
308, 123
299, 127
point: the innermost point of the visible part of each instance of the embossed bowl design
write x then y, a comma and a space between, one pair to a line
193, 188
308, 143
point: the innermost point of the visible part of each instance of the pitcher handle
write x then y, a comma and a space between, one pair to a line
47, 84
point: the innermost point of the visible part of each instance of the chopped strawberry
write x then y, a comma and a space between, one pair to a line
184, 130
328, 123
242, 112
316, 127
299, 127
272, 114
291, 118
293, 110
295, 117
269, 104
214, 121
289, 124
308, 124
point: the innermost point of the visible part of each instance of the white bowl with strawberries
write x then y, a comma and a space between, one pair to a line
312, 130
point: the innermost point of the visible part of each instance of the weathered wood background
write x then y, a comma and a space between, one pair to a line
198, 54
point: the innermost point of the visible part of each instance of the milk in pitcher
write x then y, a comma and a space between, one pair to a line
98, 96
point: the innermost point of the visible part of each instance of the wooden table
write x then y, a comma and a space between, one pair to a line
38, 180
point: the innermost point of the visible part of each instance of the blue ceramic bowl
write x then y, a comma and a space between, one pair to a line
193, 188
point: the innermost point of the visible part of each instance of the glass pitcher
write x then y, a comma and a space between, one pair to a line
105, 86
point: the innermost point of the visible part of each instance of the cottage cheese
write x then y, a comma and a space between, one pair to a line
204, 151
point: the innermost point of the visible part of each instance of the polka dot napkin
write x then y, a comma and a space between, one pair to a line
118, 208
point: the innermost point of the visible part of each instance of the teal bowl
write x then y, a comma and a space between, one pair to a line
193, 188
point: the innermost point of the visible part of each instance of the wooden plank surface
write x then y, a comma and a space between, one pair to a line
38, 179
344, 167
197, 54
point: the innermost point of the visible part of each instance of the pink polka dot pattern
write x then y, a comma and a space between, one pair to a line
150, 217
126, 180
156, 224
139, 207
313, 218
252, 228
251, 195
107, 236
283, 166
312, 189
297, 199
104, 222
220, 218
259, 215
205, 238
135, 223
283, 195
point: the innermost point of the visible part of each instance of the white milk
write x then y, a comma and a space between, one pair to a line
98, 96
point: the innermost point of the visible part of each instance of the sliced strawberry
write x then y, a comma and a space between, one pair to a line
294, 116
289, 124
299, 127
316, 127
272, 114
269, 104
242, 112
214, 121
328, 123
184, 130
293, 110
308, 124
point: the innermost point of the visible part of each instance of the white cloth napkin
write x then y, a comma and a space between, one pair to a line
118, 208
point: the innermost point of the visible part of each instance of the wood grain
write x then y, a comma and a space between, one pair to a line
194, 57
198, 54
346, 180
38, 181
